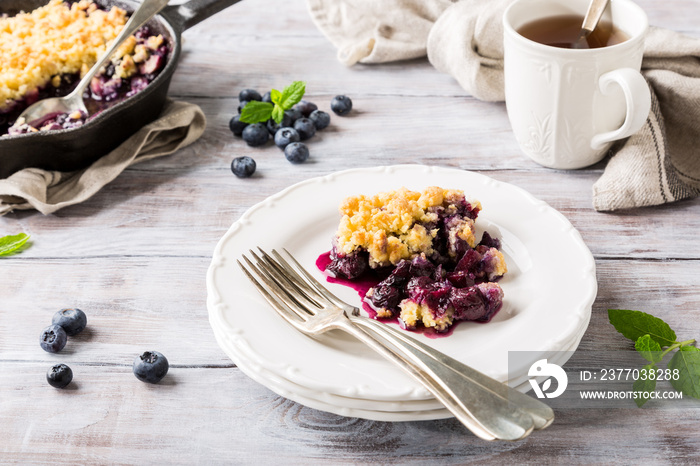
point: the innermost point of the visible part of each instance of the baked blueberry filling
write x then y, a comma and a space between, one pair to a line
137, 62
420, 292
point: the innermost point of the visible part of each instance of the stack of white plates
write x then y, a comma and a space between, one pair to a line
549, 291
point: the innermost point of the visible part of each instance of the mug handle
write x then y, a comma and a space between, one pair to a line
638, 98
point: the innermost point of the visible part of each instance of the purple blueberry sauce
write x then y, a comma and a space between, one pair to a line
371, 279
362, 285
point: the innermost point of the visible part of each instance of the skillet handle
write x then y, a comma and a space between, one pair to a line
188, 14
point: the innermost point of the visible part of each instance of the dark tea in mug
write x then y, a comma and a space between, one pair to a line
564, 32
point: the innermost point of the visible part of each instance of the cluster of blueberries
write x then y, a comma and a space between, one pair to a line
66, 322
150, 366
298, 124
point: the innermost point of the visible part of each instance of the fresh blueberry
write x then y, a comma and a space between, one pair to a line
286, 136
243, 167
150, 367
73, 321
341, 105
59, 376
296, 152
273, 126
256, 134
320, 119
249, 94
267, 97
242, 104
53, 339
294, 114
236, 125
306, 107
305, 127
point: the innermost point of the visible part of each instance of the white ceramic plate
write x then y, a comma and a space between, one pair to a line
549, 289
390, 411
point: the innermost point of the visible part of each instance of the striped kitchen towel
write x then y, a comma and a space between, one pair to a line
661, 163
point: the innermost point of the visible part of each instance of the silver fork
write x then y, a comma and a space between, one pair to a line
542, 415
487, 407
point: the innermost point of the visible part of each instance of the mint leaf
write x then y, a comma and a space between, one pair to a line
11, 243
292, 94
255, 112
278, 114
275, 96
634, 324
641, 386
648, 348
687, 361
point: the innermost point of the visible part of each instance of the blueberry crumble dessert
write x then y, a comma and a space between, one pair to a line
431, 271
44, 53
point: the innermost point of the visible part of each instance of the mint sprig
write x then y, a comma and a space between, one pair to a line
648, 348
277, 114
275, 95
650, 335
687, 361
256, 112
646, 384
11, 243
291, 95
634, 324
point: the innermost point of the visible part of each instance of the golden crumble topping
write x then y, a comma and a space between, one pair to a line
413, 314
495, 263
400, 224
52, 40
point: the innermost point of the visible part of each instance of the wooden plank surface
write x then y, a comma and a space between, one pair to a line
134, 257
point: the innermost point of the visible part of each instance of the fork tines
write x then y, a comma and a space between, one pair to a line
283, 288
278, 298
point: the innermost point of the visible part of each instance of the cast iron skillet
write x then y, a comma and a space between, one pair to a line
72, 149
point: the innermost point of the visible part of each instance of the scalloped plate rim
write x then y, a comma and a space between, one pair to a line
215, 305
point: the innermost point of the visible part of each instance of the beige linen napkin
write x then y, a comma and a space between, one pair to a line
179, 125
657, 165
370, 31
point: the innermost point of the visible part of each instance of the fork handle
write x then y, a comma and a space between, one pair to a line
397, 358
541, 414
482, 411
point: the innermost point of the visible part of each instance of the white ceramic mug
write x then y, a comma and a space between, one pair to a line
567, 106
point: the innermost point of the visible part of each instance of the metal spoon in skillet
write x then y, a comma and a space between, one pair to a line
49, 108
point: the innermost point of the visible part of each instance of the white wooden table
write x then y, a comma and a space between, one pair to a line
134, 258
